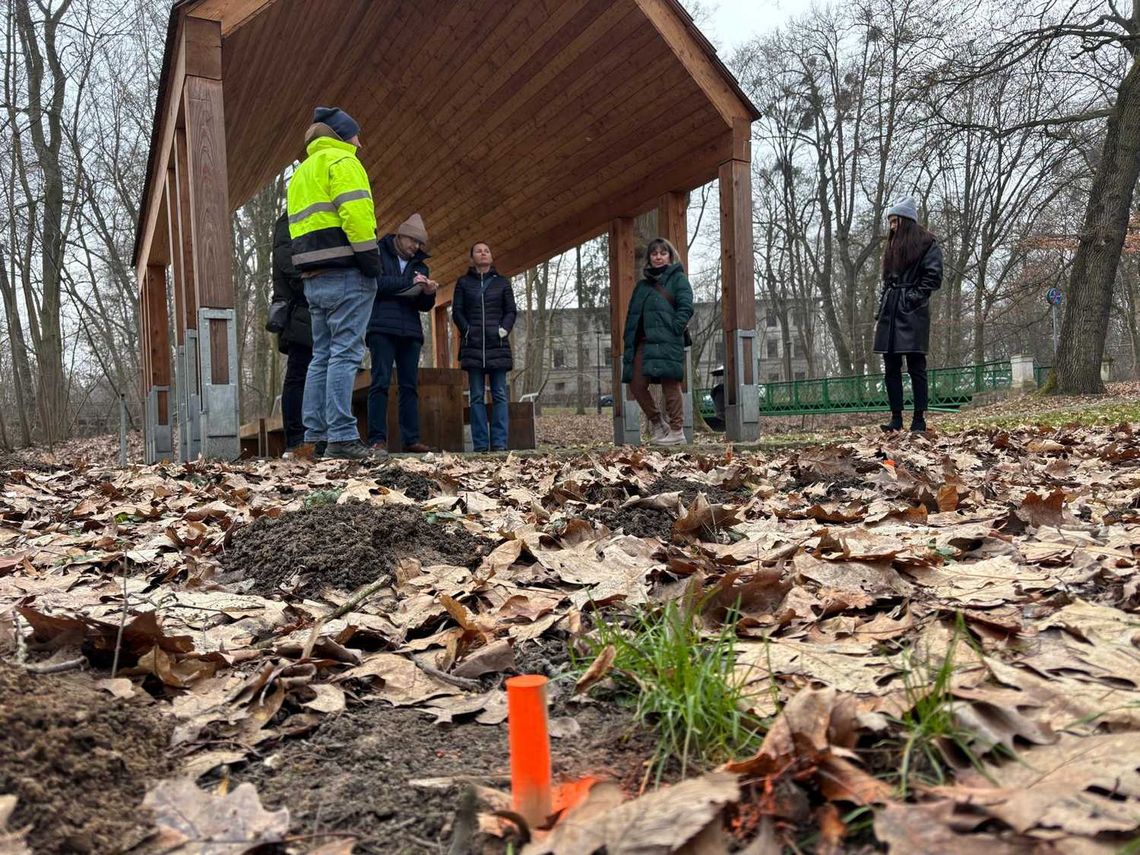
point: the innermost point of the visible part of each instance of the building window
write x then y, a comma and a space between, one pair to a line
773, 348
718, 350
559, 359
770, 321
556, 324
774, 377
559, 387
608, 358
801, 375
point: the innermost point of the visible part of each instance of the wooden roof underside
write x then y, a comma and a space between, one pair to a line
528, 124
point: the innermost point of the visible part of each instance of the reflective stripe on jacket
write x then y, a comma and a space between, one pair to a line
332, 220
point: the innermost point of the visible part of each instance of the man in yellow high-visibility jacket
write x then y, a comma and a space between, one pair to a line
332, 225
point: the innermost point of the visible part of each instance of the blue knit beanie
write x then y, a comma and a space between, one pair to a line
906, 207
342, 124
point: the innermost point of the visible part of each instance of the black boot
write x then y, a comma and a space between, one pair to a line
894, 425
918, 423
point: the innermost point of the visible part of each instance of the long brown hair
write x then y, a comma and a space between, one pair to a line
906, 246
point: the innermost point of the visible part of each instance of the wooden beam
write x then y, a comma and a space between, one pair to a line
441, 335
230, 14
174, 238
703, 69
739, 295
158, 339
622, 281
673, 224
210, 237
186, 317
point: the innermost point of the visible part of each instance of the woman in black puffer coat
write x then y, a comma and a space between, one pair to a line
484, 310
912, 271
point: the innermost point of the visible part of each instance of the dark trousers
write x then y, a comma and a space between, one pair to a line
404, 352
916, 368
293, 393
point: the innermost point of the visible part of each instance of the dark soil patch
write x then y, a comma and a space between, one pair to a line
352, 774
411, 484
344, 547
78, 761
640, 522
689, 489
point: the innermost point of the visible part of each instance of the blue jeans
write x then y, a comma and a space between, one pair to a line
499, 414
404, 351
340, 303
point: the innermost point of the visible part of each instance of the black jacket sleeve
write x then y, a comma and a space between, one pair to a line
459, 308
930, 270
285, 278
510, 312
369, 263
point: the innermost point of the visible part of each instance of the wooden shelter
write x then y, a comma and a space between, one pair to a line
530, 125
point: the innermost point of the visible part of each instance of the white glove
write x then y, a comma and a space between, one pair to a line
502, 333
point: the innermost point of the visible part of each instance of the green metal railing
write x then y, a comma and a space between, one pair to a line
950, 388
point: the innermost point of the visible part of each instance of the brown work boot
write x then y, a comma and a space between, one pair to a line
417, 448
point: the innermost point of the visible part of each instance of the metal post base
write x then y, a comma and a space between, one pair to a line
627, 427
742, 419
158, 440
220, 412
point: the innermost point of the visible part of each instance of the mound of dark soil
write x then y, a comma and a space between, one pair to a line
689, 489
640, 522
352, 774
411, 484
344, 547
78, 761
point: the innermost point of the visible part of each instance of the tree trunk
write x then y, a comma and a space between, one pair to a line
1085, 324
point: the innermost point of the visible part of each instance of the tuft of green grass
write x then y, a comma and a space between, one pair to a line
929, 724
322, 498
683, 685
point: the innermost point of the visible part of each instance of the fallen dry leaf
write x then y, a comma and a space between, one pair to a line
195, 822
659, 823
598, 669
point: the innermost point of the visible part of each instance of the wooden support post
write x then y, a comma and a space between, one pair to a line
185, 306
673, 225
742, 403
155, 323
210, 241
441, 336
627, 416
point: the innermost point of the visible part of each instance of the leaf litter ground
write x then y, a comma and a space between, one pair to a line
852, 572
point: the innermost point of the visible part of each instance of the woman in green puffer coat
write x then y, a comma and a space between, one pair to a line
654, 341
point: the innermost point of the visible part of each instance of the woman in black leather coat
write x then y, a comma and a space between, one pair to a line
912, 271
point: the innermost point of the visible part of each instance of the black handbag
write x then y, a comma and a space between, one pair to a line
278, 316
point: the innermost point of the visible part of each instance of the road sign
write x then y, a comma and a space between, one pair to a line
1054, 296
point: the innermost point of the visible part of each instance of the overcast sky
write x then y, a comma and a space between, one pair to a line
733, 22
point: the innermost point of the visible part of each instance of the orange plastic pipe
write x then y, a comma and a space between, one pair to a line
529, 740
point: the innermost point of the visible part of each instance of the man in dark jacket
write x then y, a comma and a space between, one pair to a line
295, 339
395, 332
484, 310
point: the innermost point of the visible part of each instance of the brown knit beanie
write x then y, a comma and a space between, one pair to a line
413, 227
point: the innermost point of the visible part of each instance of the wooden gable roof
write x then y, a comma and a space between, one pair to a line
530, 125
